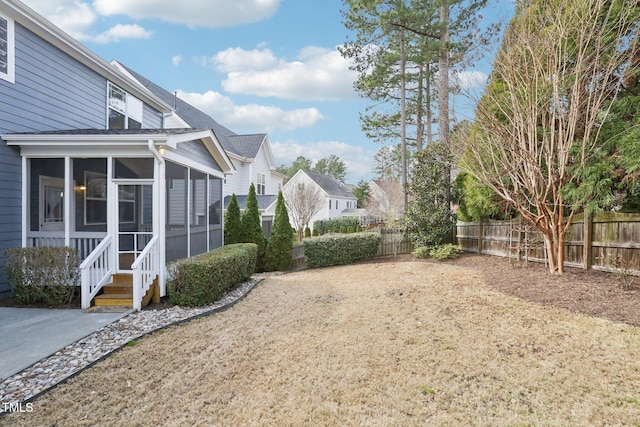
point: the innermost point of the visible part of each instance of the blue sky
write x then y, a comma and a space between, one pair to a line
253, 65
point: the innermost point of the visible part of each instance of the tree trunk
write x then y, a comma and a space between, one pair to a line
443, 88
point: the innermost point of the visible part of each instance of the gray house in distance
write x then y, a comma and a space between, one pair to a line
87, 161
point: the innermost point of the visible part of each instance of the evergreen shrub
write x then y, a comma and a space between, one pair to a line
48, 275
339, 249
203, 279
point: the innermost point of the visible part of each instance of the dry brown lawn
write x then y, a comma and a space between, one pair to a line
395, 343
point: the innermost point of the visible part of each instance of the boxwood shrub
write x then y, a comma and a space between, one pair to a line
203, 279
47, 275
339, 249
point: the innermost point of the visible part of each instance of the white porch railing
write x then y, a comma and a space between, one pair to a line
84, 242
96, 270
145, 269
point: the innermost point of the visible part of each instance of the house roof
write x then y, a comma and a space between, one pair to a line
263, 201
247, 145
82, 139
329, 184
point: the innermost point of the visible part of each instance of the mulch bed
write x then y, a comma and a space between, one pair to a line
592, 292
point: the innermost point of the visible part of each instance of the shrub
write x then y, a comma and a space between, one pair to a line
252, 228
43, 275
307, 232
447, 251
421, 252
341, 249
334, 224
315, 233
232, 222
280, 245
203, 279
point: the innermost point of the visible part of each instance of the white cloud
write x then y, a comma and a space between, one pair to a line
120, 32
77, 17
317, 74
196, 13
176, 60
358, 160
237, 60
251, 117
466, 80
73, 16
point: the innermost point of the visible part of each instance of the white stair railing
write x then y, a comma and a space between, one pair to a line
96, 270
145, 269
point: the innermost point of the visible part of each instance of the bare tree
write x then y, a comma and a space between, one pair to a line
303, 202
537, 126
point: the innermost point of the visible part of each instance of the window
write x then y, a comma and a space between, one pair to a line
329, 203
95, 198
301, 186
261, 184
125, 111
7, 49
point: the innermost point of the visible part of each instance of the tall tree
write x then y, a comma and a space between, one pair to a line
280, 245
232, 222
426, 36
535, 140
332, 166
252, 227
300, 163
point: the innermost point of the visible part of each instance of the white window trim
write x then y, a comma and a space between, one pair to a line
133, 108
10, 75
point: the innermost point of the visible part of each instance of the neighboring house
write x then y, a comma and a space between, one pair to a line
250, 154
385, 201
336, 195
88, 162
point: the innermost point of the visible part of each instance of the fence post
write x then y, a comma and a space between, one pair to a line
480, 234
587, 241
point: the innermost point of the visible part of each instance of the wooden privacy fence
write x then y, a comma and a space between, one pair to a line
605, 241
393, 242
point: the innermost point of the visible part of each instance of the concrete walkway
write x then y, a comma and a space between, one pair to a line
28, 335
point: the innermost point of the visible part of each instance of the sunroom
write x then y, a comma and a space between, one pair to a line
130, 201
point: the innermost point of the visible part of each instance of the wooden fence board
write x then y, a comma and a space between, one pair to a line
605, 241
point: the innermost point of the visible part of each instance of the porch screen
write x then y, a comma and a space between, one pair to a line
215, 212
177, 209
198, 213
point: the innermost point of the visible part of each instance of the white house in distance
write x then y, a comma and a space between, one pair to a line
337, 196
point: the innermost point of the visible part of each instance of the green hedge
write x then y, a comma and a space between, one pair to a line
43, 275
339, 249
203, 279
328, 225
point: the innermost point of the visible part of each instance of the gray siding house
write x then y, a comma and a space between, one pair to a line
86, 161
251, 154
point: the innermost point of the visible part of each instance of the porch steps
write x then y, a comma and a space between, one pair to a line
119, 293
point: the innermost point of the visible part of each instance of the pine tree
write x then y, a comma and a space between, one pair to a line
232, 222
280, 246
251, 227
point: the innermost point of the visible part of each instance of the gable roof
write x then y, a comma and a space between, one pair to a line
329, 184
247, 145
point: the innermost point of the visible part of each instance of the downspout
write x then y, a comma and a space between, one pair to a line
159, 213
